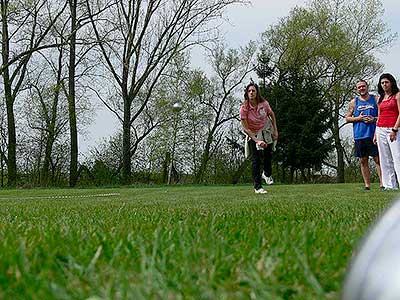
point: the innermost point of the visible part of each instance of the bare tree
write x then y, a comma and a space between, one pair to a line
231, 68
45, 107
73, 167
25, 26
72, 35
138, 39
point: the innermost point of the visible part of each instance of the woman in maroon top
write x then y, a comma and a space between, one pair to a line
387, 127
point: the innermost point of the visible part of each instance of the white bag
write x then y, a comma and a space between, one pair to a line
246, 147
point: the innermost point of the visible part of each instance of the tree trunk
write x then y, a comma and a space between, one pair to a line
47, 159
204, 159
37, 177
165, 167
2, 170
126, 142
51, 136
239, 172
340, 161
73, 168
283, 177
303, 176
12, 140
338, 146
291, 175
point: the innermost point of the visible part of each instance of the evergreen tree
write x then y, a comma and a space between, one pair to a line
302, 122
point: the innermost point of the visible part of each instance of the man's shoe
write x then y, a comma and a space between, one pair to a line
260, 191
268, 180
366, 188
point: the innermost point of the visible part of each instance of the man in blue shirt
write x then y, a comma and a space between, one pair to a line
363, 113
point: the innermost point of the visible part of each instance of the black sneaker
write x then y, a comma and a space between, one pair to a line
367, 188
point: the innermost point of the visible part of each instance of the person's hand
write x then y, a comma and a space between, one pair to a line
365, 119
368, 119
393, 136
374, 140
262, 144
275, 135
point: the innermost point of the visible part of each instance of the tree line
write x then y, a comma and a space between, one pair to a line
59, 58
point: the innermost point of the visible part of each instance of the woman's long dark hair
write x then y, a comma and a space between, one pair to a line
259, 99
394, 87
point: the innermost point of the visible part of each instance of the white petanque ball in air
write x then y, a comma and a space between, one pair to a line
374, 272
177, 106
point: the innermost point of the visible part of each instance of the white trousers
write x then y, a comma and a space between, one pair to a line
389, 157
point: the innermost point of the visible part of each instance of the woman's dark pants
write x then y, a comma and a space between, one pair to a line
257, 156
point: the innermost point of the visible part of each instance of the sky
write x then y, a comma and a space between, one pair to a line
247, 23
243, 25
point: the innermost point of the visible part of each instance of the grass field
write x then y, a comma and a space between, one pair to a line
182, 242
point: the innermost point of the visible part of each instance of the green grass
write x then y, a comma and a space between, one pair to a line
206, 242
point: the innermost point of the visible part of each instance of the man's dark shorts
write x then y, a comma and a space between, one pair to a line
365, 148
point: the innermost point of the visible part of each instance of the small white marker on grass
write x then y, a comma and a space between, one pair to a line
64, 196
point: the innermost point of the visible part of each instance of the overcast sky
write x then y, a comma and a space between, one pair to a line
248, 23
245, 24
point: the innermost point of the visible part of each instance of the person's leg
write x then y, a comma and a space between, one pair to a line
255, 164
366, 174
395, 150
378, 169
371, 150
385, 157
361, 150
268, 160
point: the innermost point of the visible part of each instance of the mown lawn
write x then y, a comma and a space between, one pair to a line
182, 242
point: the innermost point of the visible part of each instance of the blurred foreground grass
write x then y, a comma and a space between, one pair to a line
182, 242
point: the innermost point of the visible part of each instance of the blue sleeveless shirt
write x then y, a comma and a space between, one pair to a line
363, 130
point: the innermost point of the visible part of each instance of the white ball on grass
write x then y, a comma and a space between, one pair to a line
374, 272
177, 106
